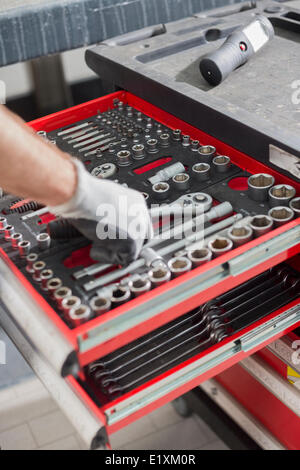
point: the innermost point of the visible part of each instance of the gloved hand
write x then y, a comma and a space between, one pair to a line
114, 218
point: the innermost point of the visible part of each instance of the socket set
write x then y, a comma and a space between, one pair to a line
171, 169
164, 348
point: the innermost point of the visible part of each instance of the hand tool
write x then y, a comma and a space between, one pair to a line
181, 181
240, 234
9, 231
100, 305
281, 194
161, 191
179, 265
199, 257
38, 267
24, 248
259, 185
219, 246
167, 173
201, 171
159, 275
221, 163
281, 215
46, 275
43, 241
61, 294
68, 303
53, 284
139, 286
172, 248
79, 315
261, 224
206, 154
15, 240
31, 259
240, 45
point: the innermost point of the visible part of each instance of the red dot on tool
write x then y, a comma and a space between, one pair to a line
243, 46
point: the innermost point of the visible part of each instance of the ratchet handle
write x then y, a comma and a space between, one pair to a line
233, 53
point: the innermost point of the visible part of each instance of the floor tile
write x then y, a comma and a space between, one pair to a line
165, 416
215, 445
51, 427
18, 438
133, 432
68, 443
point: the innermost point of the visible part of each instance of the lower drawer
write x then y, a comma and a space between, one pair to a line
170, 361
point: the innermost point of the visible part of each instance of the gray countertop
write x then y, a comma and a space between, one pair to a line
34, 28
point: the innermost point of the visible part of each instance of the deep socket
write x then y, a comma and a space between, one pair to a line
201, 171
281, 215
281, 194
138, 152
123, 158
43, 241
38, 267
9, 231
53, 284
31, 259
221, 163
68, 303
176, 134
16, 239
152, 146
24, 248
206, 153
261, 224
61, 294
46, 275
3, 223
259, 185
181, 181
164, 140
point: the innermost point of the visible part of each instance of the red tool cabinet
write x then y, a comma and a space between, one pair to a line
74, 349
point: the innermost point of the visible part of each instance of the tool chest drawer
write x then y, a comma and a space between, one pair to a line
129, 340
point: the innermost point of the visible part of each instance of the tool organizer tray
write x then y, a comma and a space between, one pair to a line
73, 351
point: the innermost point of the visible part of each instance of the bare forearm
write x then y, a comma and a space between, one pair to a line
30, 167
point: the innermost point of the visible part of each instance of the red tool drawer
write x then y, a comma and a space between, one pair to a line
70, 349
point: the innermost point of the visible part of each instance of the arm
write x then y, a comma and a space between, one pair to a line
31, 168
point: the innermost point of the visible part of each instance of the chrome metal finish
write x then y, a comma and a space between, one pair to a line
201, 171
139, 286
179, 266
24, 248
220, 245
60, 294
281, 215
259, 186
181, 181
221, 163
161, 190
295, 206
44, 241
199, 256
80, 315
240, 234
281, 194
261, 224
100, 305
16, 239
206, 153
120, 295
46, 274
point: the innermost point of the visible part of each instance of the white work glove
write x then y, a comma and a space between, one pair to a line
114, 218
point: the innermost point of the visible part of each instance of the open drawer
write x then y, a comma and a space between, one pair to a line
67, 348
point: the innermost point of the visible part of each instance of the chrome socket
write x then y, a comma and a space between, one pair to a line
31, 259
167, 173
219, 246
206, 153
120, 295
259, 186
60, 294
80, 315
43, 241
201, 171
194, 145
179, 266
16, 238
123, 158
53, 284
24, 248
281, 215
176, 134
45, 276
139, 286
221, 163
295, 206
3, 223
240, 234
281, 194
100, 305
186, 141
68, 303
261, 224
161, 190
164, 140
9, 231
199, 257
181, 182
152, 146
138, 152
159, 275
38, 267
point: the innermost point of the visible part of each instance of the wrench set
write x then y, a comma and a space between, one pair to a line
164, 348
172, 171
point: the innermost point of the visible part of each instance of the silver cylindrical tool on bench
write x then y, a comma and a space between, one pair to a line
159, 275
44, 241
24, 248
261, 224
161, 190
179, 266
281, 215
16, 239
259, 185
61, 294
167, 173
120, 295
46, 275
281, 194
68, 303
140, 286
